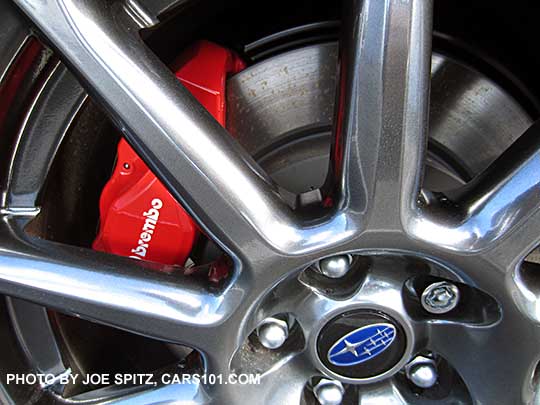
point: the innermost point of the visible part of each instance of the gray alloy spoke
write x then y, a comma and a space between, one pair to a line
9, 49
512, 185
156, 9
482, 355
509, 251
34, 330
525, 291
381, 117
189, 392
146, 298
284, 383
496, 204
382, 393
30, 165
169, 394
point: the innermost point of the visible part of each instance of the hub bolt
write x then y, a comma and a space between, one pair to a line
422, 372
336, 266
273, 332
329, 392
440, 298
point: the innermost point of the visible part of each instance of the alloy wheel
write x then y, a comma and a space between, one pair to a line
368, 255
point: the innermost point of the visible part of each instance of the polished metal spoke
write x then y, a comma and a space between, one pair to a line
506, 352
284, 383
189, 392
497, 203
30, 165
34, 329
383, 393
145, 298
525, 292
381, 117
513, 247
510, 252
157, 9
507, 197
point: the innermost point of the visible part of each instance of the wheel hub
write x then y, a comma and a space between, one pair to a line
346, 332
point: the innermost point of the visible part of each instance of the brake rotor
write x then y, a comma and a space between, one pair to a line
280, 110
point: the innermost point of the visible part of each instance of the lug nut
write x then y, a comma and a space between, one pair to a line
329, 392
336, 266
273, 332
422, 372
440, 298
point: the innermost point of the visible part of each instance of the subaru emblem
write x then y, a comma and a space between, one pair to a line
362, 344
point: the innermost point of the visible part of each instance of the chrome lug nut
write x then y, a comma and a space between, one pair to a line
329, 392
422, 372
440, 298
273, 332
336, 266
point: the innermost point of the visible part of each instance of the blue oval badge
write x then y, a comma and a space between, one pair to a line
362, 344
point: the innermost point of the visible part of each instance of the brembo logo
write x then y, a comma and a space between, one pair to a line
150, 222
362, 344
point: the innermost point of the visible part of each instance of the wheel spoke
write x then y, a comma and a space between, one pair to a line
383, 393
33, 328
284, 383
189, 392
196, 159
509, 252
145, 298
155, 9
482, 355
504, 201
496, 204
381, 118
30, 164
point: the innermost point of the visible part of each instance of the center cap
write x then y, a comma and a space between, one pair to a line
361, 344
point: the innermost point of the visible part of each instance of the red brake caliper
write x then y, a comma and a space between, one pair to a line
139, 217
